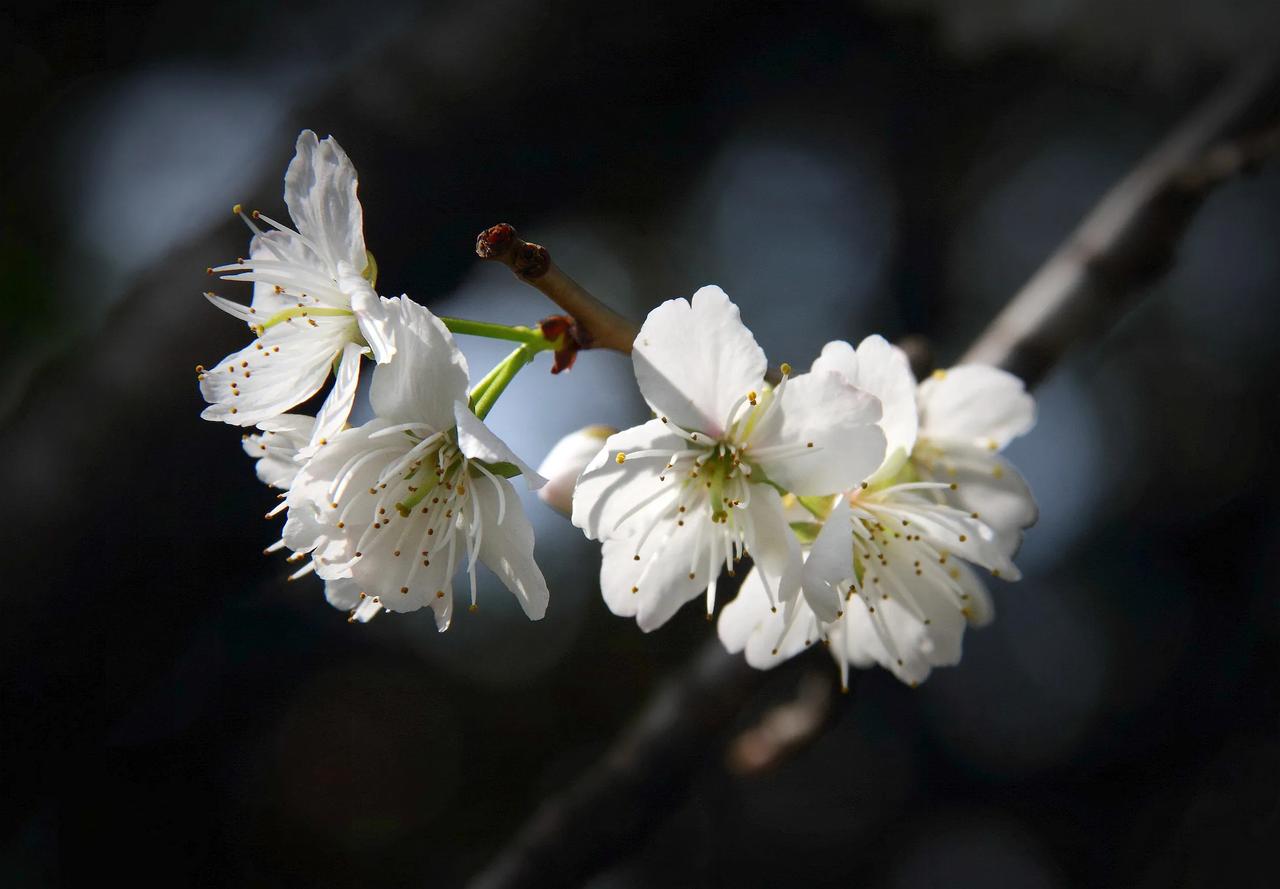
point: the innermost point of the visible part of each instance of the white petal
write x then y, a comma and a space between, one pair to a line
428, 373
839, 421
282, 246
829, 567
376, 316
276, 447
986, 483
311, 517
897, 640
320, 191
283, 367
303, 529
399, 563
751, 623
653, 587
904, 621
976, 404
693, 361
507, 548
979, 610
234, 309
607, 491
745, 615
840, 357
566, 461
342, 593
337, 407
772, 544
882, 370
478, 442
368, 609
948, 529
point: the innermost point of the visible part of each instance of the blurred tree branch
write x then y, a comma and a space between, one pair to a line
1124, 245
1129, 240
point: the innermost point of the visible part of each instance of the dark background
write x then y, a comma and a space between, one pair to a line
175, 714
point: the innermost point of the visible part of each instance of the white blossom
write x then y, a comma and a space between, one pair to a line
968, 414
388, 511
675, 499
899, 550
565, 462
856, 639
313, 303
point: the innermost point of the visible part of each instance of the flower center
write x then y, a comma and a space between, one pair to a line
420, 505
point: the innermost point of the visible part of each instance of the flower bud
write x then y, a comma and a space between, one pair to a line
565, 463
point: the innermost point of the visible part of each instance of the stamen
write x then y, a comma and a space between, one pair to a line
760, 419
399, 427
731, 419
474, 540
641, 504
413, 453
349, 469
780, 452
497, 487
284, 228
694, 437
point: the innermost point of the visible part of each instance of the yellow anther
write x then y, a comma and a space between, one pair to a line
237, 210
939, 374
621, 458
786, 369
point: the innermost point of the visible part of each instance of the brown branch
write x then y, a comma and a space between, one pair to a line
788, 726
599, 327
1125, 244
1129, 240
625, 795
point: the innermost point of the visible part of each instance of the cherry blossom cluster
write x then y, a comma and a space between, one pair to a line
868, 503
865, 504
386, 512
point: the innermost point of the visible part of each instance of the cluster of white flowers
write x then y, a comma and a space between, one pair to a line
385, 512
864, 500
867, 503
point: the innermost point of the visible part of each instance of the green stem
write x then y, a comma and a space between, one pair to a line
517, 334
486, 393
481, 387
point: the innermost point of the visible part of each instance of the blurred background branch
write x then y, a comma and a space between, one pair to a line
1126, 243
1130, 239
